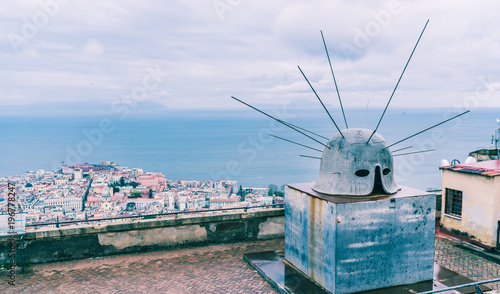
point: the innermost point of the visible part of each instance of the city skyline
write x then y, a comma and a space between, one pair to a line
191, 54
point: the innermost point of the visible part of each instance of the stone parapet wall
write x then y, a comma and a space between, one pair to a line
104, 239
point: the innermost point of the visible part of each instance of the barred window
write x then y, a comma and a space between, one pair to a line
453, 204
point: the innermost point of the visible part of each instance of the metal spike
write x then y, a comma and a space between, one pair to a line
295, 143
305, 130
428, 128
334, 80
423, 151
401, 149
310, 156
397, 84
321, 102
280, 121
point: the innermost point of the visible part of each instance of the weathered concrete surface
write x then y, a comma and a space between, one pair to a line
169, 235
271, 228
310, 236
357, 245
351, 163
62, 244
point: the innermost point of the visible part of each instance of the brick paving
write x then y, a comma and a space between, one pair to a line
209, 269
466, 263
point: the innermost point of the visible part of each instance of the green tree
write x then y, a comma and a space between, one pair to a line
150, 193
122, 181
135, 194
272, 188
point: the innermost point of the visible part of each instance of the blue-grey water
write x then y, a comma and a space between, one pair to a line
211, 145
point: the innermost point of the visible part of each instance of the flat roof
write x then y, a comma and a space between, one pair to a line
490, 168
401, 193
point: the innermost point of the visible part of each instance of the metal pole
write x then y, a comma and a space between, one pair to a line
23, 258
334, 80
461, 286
315, 157
295, 143
423, 151
280, 121
324, 107
497, 137
445, 121
397, 84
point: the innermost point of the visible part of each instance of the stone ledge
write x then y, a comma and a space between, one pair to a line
174, 221
60, 244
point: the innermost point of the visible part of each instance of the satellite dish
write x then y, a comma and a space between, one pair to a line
470, 159
444, 162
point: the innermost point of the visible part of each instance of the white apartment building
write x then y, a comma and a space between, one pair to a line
66, 203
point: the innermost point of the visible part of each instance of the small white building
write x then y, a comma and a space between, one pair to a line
141, 203
181, 202
66, 203
257, 191
471, 200
168, 198
221, 203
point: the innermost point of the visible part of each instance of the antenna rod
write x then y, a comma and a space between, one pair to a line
305, 130
428, 129
397, 84
280, 121
401, 149
310, 156
334, 80
415, 152
321, 102
295, 142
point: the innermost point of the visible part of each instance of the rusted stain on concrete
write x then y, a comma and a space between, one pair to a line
353, 246
307, 239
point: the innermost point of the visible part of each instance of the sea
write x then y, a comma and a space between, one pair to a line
235, 144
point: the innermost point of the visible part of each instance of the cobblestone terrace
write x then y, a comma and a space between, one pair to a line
210, 269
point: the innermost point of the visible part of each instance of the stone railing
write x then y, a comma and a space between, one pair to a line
103, 239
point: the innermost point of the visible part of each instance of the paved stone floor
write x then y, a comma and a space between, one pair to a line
466, 263
210, 269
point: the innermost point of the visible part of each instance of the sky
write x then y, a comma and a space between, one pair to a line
184, 54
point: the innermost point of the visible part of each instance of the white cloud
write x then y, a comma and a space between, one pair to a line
29, 53
92, 49
253, 52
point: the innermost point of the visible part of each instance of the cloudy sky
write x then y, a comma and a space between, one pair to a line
197, 53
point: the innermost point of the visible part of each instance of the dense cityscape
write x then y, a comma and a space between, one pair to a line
106, 190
